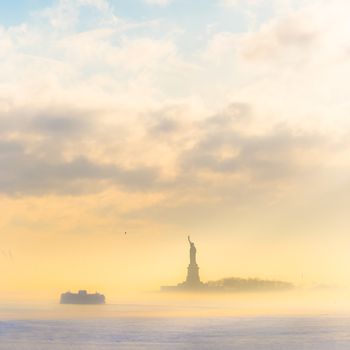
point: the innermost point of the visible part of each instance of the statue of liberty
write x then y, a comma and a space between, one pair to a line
193, 252
192, 280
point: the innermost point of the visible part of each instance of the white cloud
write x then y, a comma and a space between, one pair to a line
229, 2
288, 64
290, 68
236, 3
64, 14
158, 2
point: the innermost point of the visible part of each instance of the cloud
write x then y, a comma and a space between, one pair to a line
229, 2
29, 174
90, 100
50, 152
58, 123
164, 126
292, 36
64, 14
165, 122
43, 152
237, 3
266, 157
293, 31
158, 2
65, 125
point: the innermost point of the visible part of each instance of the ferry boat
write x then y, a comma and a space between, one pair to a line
82, 297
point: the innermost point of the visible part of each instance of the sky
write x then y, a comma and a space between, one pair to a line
226, 120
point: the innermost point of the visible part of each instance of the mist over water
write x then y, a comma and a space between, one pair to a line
289, 321
308, 302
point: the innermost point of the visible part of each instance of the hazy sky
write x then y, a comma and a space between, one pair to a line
224, 119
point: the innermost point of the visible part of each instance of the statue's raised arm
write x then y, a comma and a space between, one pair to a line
189, 239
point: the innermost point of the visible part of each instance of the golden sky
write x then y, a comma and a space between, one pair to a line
225, 120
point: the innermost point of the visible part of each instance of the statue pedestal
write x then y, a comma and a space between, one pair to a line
193, 275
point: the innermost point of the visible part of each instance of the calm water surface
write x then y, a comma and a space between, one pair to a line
324, 332
178, 333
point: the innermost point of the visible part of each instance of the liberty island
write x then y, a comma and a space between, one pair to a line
193, 282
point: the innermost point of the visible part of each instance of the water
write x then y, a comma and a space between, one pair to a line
160, 333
